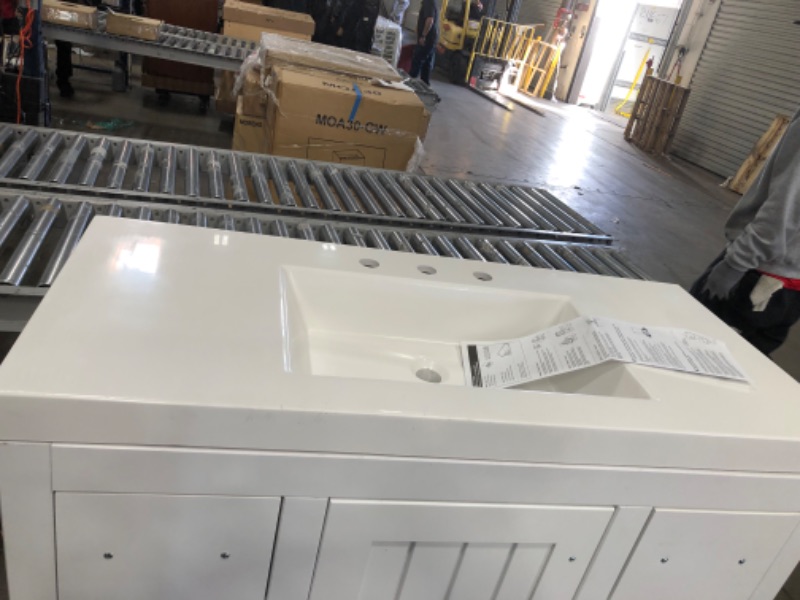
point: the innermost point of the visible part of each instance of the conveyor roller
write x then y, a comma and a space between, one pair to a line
38, 233
68, 162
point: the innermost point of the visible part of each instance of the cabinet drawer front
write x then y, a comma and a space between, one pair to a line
141, 547
432, 551
703, 554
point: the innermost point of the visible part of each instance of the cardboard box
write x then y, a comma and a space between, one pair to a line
224, 100
133, 26
251, 33
278, 51
266, 18
321, 116
250, 133
66, 13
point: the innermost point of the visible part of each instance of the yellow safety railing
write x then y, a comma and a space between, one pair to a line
635, 82
538, 70
501, 40
534, 60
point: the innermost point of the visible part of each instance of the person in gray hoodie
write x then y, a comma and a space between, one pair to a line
754, 286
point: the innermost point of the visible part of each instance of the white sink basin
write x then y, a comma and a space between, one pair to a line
376, 327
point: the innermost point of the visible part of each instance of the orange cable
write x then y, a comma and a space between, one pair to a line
24, 43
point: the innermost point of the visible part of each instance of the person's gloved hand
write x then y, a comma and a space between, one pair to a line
721, 281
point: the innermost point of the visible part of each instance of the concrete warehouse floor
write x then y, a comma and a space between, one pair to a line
667, 215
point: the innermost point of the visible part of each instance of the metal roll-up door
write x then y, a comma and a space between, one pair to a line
538, 11
748, 73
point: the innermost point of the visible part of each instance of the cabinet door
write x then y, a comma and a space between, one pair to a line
143, 547
708, 555
432, 551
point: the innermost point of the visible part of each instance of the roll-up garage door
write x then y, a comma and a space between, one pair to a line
536, 11
748, 73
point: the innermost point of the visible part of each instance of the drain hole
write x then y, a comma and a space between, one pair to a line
369, 263
427, 270
482, 276
429, 376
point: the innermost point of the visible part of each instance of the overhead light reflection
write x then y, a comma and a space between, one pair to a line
143, 256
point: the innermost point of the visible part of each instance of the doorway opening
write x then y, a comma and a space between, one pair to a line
626, 34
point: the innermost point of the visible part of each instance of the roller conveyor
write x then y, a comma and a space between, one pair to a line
47, 160
180, 44
38, 232
187, 46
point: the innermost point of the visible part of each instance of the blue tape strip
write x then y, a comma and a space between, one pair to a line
357, 103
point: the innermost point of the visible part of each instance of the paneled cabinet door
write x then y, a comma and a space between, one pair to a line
432, 551
148, 547
703, 554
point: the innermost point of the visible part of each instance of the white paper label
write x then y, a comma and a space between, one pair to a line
589, 341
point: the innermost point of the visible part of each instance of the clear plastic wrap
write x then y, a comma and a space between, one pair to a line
252, 82
277, 50
416, 158
251, 87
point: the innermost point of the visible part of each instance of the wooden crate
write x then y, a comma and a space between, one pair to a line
752, 167
656, 115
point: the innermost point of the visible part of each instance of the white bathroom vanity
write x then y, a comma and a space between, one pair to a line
205, 415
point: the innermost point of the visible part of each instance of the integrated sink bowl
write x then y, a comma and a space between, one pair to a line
401, 329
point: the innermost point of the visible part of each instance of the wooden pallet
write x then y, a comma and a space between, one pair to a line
656, 115
752, 167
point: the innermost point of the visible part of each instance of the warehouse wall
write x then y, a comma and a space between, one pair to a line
748, 72
531, 11
694, 34
538, 11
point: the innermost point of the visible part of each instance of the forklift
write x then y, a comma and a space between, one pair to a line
498, 58
460, 35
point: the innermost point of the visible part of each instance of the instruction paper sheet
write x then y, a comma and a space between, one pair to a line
590, 341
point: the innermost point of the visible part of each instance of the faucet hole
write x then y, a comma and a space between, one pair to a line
426, 270
369, 263
481, 276
429, 376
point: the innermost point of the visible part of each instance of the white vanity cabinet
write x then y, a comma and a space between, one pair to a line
145, 546
386, 550
704, 554
174, 426
140, 523
142, 547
